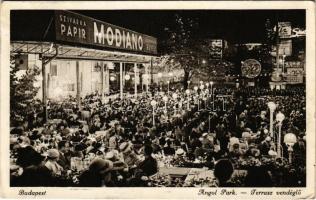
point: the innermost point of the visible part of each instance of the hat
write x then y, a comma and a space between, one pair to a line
246, 135
272, 153
204, 134
268, 138
109, 155
35, 135
125, 146
233, 140
80, 147
28, 156
101, 165
180, 152
52, 153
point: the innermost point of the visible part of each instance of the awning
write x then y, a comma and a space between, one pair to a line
75, 53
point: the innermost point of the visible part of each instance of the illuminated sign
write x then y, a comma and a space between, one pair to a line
285, 47
285, 29
298, 32
79, 29
216, 49
251, 68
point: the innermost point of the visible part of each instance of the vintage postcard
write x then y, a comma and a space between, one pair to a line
160, 100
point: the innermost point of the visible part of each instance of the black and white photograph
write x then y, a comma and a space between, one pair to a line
195, 98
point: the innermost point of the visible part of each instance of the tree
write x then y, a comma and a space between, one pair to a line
22, 92
182, 49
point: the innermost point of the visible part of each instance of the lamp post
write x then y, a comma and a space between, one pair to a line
279, 117
188, 83
159, 79
272, 106
153, 103
212, 95
165, 99
201, 94
188, 95
207, 85
175, 96
168, 86
290, 140
283, 63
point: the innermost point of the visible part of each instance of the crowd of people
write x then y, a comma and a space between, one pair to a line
125, 142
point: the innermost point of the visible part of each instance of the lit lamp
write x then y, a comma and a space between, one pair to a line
112, 78
290, 140
272, 106
207, 84
188, 94
196, 88
153, 103
159, 75
168, 86
188, 83
202, 87
279, 117
127, 77
211, 83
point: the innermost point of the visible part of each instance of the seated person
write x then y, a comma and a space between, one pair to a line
168, 150
98, 174
223, 171
149, 166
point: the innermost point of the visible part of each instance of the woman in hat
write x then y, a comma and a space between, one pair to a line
51, 163
149, 166
98, 174
130, 157
34, 172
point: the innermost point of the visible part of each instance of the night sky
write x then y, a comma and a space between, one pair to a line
236, 26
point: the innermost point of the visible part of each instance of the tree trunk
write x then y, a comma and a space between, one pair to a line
186, 79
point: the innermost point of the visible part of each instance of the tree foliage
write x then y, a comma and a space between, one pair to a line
182, 49
22, 92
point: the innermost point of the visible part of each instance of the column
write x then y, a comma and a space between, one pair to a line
102, 82
107, 80
135, 82
44, 88
147, 77
78, 85
121, 80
